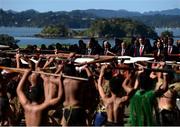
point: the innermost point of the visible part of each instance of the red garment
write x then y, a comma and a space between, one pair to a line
141, 50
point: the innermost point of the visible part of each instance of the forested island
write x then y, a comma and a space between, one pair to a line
102, 28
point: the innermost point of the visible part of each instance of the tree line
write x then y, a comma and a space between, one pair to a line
76, 19
103, 28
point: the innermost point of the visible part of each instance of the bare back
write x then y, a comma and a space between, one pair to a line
115, 109
74, 92
50, 88
33, 115
167, 101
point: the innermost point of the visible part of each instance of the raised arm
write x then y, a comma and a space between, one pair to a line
131, 83
48, 62
58, 81
126, 85
162, 88
88, 72
53, 101
17, 59
37, 68
22, 97
46, 81
59, 69
100, 88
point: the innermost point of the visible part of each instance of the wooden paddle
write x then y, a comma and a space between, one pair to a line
20, 70
101, 60
150, 69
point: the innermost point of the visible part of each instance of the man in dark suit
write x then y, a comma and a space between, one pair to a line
123, 50
158, 51
134, 48
172, 49
117, 46
93, 47
143, 48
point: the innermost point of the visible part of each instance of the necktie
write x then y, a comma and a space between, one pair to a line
158, 53
169, 49
141, 50
122, 52
89, 51
134, 51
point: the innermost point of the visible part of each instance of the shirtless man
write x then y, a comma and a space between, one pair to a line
5, 110
169, 114
115, 103
75, 92
34, 106
143, 100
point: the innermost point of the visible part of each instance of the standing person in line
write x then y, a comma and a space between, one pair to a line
142, 102
123, 50
143, 47
115, 104
134, 48
93, 48
172, 49
6, 112
35, 104
117, 46
82, 47
107, 48
76, 95
168, 113
100, 117
158, 50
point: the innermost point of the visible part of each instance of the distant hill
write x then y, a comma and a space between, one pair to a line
124, 13
174, 11
83, 18
112, 13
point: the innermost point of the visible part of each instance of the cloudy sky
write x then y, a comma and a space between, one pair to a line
68, 5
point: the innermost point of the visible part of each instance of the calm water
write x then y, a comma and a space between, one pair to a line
25, 36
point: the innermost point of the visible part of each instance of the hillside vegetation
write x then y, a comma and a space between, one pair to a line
103, 28
84, 18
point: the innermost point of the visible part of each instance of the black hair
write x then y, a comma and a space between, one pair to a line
6, 62
36, 93
11, 87
108, 74
4, 103
146, 83
69, 69
115, 85
170, 76
32, 65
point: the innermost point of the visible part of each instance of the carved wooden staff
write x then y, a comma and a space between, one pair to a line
150, 69
39, 72
171, 55
101, 60
167, 63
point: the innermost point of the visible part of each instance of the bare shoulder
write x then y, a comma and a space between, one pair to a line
108, 101
123, 99
30, 107
72, 81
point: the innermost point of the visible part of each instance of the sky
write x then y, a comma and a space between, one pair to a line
68, 5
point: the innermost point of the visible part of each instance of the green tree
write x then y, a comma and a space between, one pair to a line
120, 28
55, 31
167, 33
8, 40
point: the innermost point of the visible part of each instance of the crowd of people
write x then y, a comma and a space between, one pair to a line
50, 91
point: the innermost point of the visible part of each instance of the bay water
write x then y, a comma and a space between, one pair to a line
25, 35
